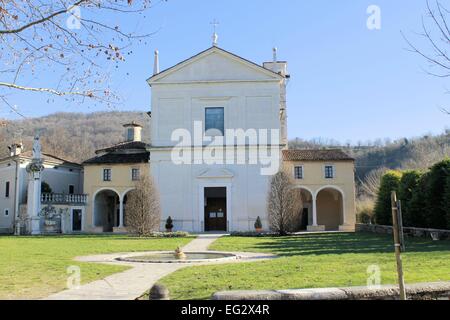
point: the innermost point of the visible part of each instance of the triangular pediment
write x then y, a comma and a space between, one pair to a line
216, 173
215, 64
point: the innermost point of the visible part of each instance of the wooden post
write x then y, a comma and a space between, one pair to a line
397, 245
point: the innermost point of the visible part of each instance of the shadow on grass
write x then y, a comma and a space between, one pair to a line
109, 237
343, 243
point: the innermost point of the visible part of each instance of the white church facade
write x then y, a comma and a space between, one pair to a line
218, 134
208, 95
216, 92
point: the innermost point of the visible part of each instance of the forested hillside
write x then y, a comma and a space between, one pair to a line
72, 136
75, 136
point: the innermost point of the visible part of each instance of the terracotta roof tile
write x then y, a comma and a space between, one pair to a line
120, 158
316, 155
126, 145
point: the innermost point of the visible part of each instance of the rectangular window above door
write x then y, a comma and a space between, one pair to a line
214, 121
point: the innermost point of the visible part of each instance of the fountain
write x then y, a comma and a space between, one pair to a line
179, 256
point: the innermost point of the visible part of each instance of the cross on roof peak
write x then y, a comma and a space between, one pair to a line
215, 37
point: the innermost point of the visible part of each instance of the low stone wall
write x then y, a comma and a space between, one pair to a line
418, 291
413, 232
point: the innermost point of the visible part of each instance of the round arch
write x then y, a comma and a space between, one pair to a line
105, 208
122, 196
330, 206
123, 202
305, 216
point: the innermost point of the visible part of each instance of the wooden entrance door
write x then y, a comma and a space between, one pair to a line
216, 214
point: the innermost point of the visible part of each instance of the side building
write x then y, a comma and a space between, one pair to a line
326, 180
109, 176
62, 183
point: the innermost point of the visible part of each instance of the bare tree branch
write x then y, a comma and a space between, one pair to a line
72, 40
440, 44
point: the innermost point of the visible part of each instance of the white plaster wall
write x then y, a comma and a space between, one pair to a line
180, 186
215, 66
247, 106
60, 179
250, 97
7, 173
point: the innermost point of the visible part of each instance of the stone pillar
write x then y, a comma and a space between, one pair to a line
314, 208
315, 227
121, 222
34, 170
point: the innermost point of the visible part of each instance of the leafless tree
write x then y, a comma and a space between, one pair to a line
143, 213
283, 204
75, 43
371, 183
438, 38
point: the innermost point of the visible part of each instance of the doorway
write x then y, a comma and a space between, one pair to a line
215, 209
77, 216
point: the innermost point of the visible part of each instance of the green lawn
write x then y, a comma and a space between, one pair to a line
34, 267
312, 261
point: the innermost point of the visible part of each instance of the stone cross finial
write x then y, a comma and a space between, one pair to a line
215, 36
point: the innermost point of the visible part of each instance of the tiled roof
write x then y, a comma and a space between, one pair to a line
120, 158
316, 155
126, 145
45, 157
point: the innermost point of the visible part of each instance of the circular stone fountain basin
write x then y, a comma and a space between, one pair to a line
170, 257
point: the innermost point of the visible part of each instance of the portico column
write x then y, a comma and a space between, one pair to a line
121, 213
315, 226
314, 210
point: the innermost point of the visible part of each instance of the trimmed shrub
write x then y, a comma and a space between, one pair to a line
446, 201
416, 208
258, 223
45, 187
408, 185
434, 195
177, 234
169, 224
383, 210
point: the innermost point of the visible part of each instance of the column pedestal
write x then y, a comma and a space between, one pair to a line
347, 228
315, 228
35, 226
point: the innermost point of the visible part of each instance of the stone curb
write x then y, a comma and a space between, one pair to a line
418, 291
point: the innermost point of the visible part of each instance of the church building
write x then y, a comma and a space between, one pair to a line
218, 99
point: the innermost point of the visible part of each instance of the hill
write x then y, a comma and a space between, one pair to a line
72, 136
75, 137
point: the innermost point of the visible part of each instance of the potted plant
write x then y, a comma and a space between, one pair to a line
258, 225
169, 224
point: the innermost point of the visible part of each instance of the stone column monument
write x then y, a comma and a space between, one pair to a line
34, 170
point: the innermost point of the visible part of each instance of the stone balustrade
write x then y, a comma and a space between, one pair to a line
62, 198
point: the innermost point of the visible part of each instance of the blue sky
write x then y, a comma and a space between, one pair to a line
347, 82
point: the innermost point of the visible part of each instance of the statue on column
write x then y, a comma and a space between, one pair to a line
37, 148
34, 170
